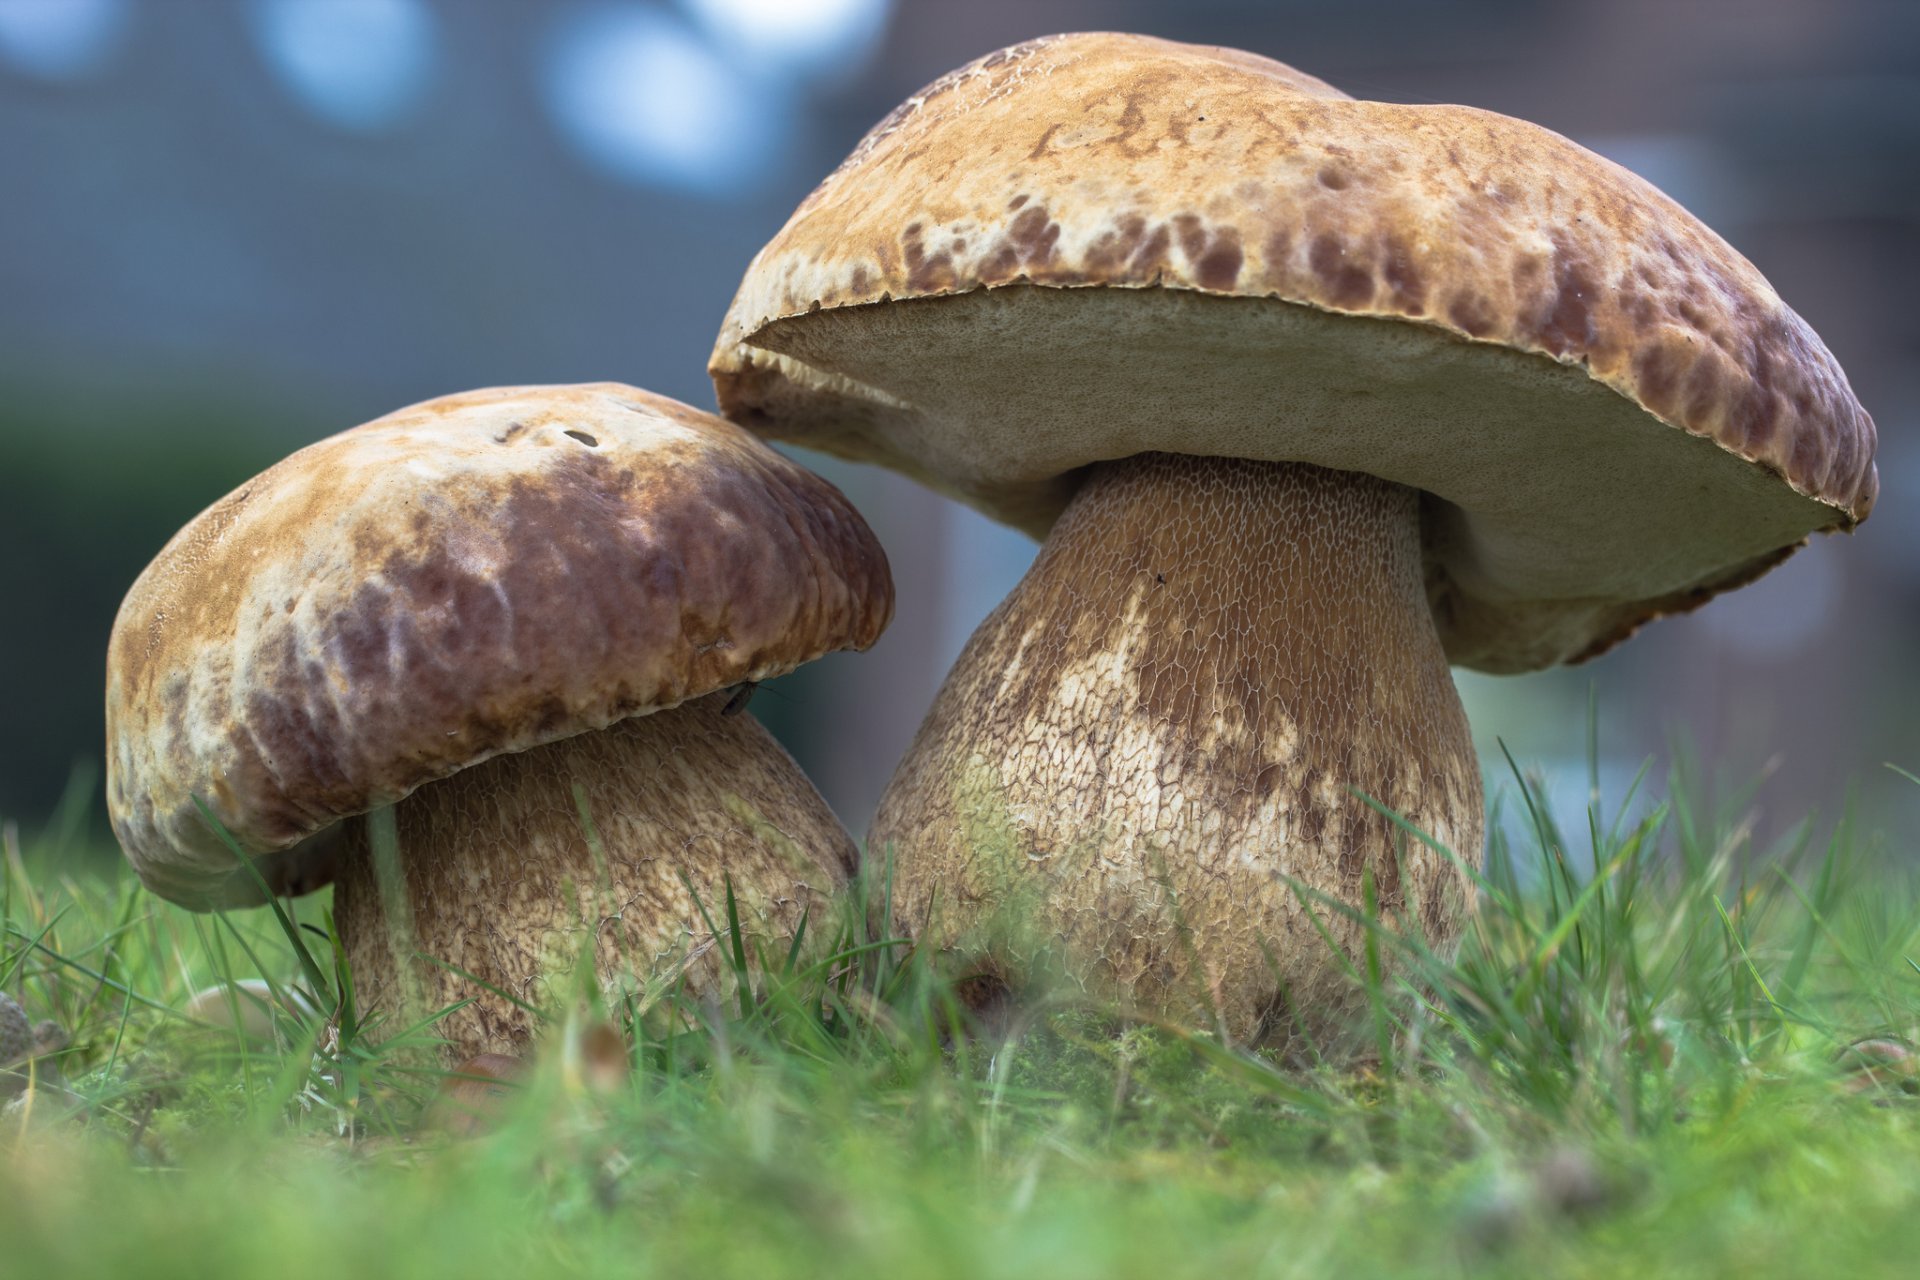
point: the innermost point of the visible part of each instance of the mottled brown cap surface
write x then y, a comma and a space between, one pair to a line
1090, 246
471, 576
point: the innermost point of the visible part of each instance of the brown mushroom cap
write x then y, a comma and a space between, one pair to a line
468, 577
1092, 246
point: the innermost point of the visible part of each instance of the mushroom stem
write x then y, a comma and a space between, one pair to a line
505, 881
1165, 721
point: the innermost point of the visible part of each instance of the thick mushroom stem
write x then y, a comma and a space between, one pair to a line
1164, 724
505, 881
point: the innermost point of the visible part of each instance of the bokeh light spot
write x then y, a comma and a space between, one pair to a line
643, 99
813, 39
356, 64
59, 39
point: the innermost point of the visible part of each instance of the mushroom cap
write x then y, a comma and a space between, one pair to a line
248, 1005
474, 575
16, 1033
1090, 246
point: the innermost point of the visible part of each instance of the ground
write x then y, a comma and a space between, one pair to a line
1691, 1061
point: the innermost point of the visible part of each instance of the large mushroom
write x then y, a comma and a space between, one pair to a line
1308, 397
514, 615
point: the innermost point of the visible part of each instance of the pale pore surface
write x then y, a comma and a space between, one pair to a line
1164, 720
1561, 516
503, 883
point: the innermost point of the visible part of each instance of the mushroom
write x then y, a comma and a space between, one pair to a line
16, 1033
1308, 398
1879, 1064
514, 615
475, 1095
248, 1008
21, 1044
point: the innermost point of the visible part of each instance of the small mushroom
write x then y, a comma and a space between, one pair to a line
1309, 398
474, 1095
22, 1043
16, 1033
248, 1006
1879, 1065
512, 615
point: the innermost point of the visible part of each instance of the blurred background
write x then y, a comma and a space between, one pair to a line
230, 227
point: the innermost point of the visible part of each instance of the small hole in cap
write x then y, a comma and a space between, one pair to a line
584, 439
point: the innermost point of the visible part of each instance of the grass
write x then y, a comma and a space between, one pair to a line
1639, 1064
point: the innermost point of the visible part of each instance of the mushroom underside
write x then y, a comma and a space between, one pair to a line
1149, 763
1558, 512
598, 849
